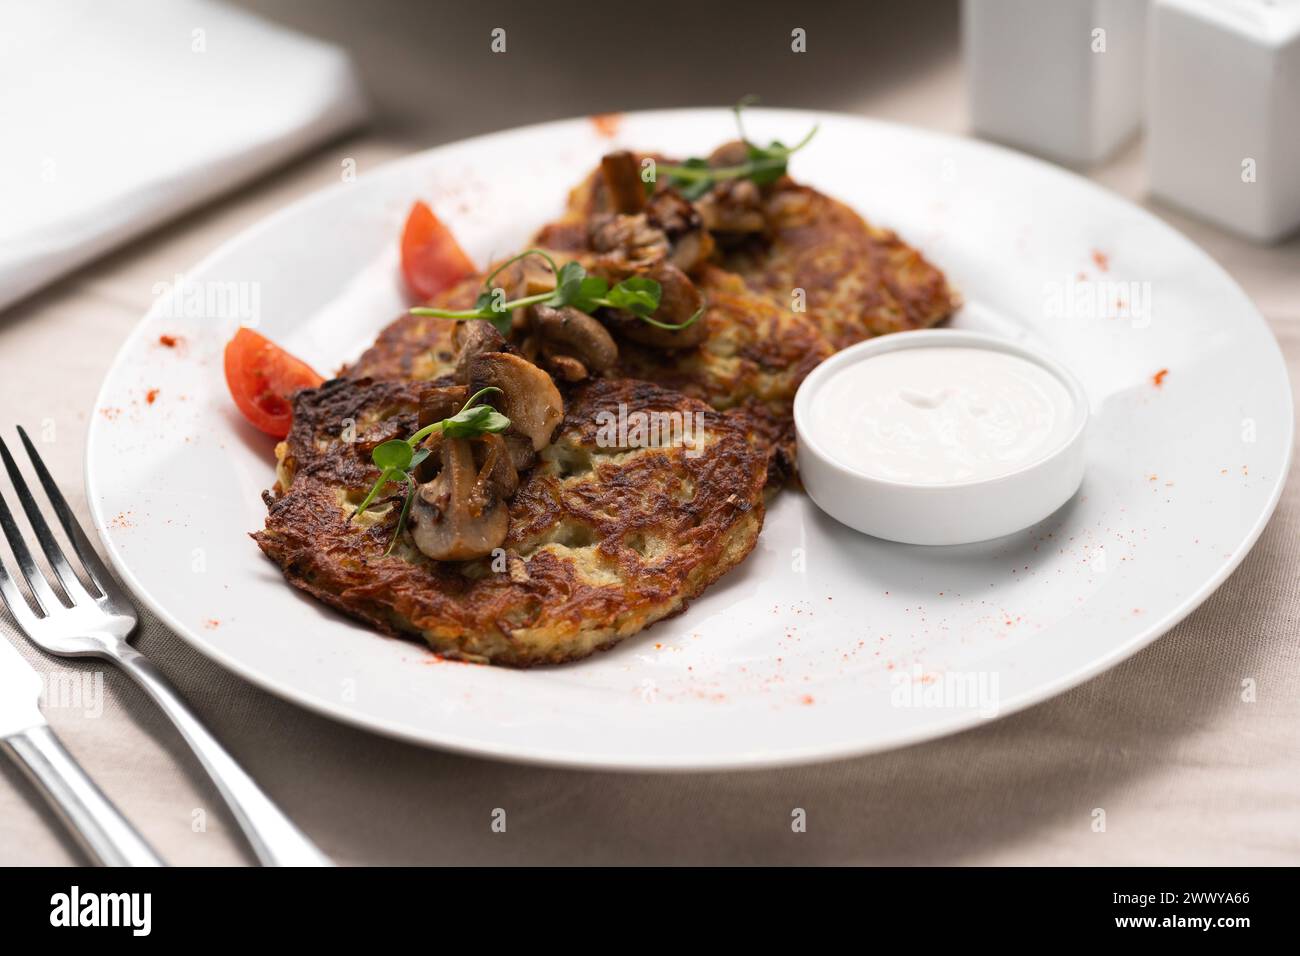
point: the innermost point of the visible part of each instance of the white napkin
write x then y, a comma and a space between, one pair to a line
116, 116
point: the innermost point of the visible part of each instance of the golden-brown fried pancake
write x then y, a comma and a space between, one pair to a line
604, 540
860, 280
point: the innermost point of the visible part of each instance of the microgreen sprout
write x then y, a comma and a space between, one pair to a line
399, 457
573, 287
763, 165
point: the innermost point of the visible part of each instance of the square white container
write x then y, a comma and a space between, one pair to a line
1223, 127
1062, 78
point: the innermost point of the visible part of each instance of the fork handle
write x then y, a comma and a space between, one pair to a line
92, 817
274, 838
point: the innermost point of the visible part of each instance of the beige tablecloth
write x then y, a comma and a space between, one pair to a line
1186, 771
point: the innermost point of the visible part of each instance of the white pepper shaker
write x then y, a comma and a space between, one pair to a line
1062, 78
1223, 127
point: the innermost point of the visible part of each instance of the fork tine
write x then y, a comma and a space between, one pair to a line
14, 600
72, 587
46, 600
90, 560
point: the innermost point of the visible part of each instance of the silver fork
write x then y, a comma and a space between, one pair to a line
100, 625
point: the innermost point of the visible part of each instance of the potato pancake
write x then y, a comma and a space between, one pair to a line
860, 280
608, 533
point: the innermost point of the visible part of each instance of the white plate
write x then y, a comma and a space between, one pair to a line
824, 643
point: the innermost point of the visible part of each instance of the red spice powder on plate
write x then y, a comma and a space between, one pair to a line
607, 124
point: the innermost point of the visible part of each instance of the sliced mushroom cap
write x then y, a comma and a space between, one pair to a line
530, 399
473, 338
441, 401
622, 177
672, 212
575, 333
564, 368
458, 515
628, 239
532, 275
690, 243
692, 250
679, 301
732, 153
733, 208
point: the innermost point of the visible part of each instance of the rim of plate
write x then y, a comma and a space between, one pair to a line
614, 761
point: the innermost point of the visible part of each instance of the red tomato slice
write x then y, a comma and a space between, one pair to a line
262, 377
432, 259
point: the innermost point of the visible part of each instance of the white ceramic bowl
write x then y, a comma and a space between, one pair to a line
938, 514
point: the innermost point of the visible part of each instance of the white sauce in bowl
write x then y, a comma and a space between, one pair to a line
941, 415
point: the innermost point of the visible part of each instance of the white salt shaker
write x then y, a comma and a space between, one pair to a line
1058, 77
1223, 126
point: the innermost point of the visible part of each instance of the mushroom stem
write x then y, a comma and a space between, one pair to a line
458, 515
497, 467
622, 179
576, 334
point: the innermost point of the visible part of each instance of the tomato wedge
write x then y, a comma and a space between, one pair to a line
432, 259
262, 377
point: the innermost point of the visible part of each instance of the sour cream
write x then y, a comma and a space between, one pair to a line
941, 415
